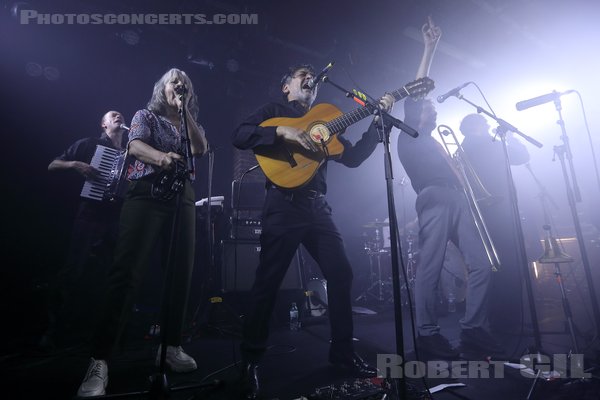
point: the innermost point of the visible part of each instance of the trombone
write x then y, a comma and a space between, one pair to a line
474, 190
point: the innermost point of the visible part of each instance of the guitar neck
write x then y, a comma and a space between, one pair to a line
343, 121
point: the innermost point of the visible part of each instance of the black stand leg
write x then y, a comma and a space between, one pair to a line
560, 151
400, 383
566, 307
378, 288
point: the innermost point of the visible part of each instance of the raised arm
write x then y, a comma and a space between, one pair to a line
431, 37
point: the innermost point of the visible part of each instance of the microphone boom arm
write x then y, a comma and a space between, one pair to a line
502, 124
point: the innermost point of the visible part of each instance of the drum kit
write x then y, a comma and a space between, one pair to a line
376, 239
379, 291
377, 247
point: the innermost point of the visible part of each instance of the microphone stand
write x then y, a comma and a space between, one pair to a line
573, 196
504, 127
543, 195
399, 384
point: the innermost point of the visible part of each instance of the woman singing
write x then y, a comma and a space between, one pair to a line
158, 147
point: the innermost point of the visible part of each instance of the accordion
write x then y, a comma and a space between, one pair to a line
111, 183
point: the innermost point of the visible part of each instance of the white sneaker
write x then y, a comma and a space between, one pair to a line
95, 381
177, 359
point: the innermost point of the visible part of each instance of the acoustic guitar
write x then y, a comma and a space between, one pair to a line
289, 165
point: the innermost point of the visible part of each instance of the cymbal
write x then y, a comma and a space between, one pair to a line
376, 224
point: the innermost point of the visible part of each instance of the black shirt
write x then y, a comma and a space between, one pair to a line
249, 135
487, 158
426, 162
83, 150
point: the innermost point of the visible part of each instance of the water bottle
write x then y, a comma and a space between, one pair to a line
154, 330
294, 319
451, 302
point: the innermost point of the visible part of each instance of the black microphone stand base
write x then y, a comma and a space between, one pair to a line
221, 317
160, 390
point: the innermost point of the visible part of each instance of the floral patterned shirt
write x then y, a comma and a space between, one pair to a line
156, 131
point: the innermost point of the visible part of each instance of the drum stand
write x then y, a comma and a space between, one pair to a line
379, 289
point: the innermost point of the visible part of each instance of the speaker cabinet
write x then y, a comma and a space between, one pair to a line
240, 276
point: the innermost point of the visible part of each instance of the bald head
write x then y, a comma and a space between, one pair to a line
111, 121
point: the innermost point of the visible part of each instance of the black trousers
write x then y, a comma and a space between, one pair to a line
506, 296
82, 279
144, 224
288, 221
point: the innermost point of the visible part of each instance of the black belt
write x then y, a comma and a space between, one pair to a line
308, 194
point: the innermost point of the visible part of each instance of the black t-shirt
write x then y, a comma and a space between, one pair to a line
487, 158
425, 162
83, 150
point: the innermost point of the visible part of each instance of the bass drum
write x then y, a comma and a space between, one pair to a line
317, 297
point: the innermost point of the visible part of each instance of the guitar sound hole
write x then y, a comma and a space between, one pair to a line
319, 133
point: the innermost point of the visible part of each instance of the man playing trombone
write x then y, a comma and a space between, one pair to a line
444, 214
486, 157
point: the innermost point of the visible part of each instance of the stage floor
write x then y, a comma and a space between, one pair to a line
295, 365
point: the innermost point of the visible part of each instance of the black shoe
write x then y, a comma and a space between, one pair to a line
250, 380
352, 362
436, 345
479, 340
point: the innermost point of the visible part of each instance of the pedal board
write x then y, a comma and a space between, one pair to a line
359, 389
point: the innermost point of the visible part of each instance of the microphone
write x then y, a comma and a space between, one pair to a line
398, 124
536, 101
123, 126
181, 90
452, 92
316, 80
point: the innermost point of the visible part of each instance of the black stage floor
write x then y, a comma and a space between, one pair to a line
295, 365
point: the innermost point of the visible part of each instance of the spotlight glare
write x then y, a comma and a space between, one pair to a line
232, 65
200, 61
130, 37
15, 10
33, 69
52, 73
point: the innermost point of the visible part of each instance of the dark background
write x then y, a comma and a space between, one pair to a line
514, 50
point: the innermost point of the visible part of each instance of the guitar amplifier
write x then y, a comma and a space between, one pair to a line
239, 276
248, 195
246, 229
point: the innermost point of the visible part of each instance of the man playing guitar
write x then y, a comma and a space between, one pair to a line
300, 215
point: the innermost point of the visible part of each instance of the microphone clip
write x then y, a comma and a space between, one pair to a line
320, 77
453, 92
